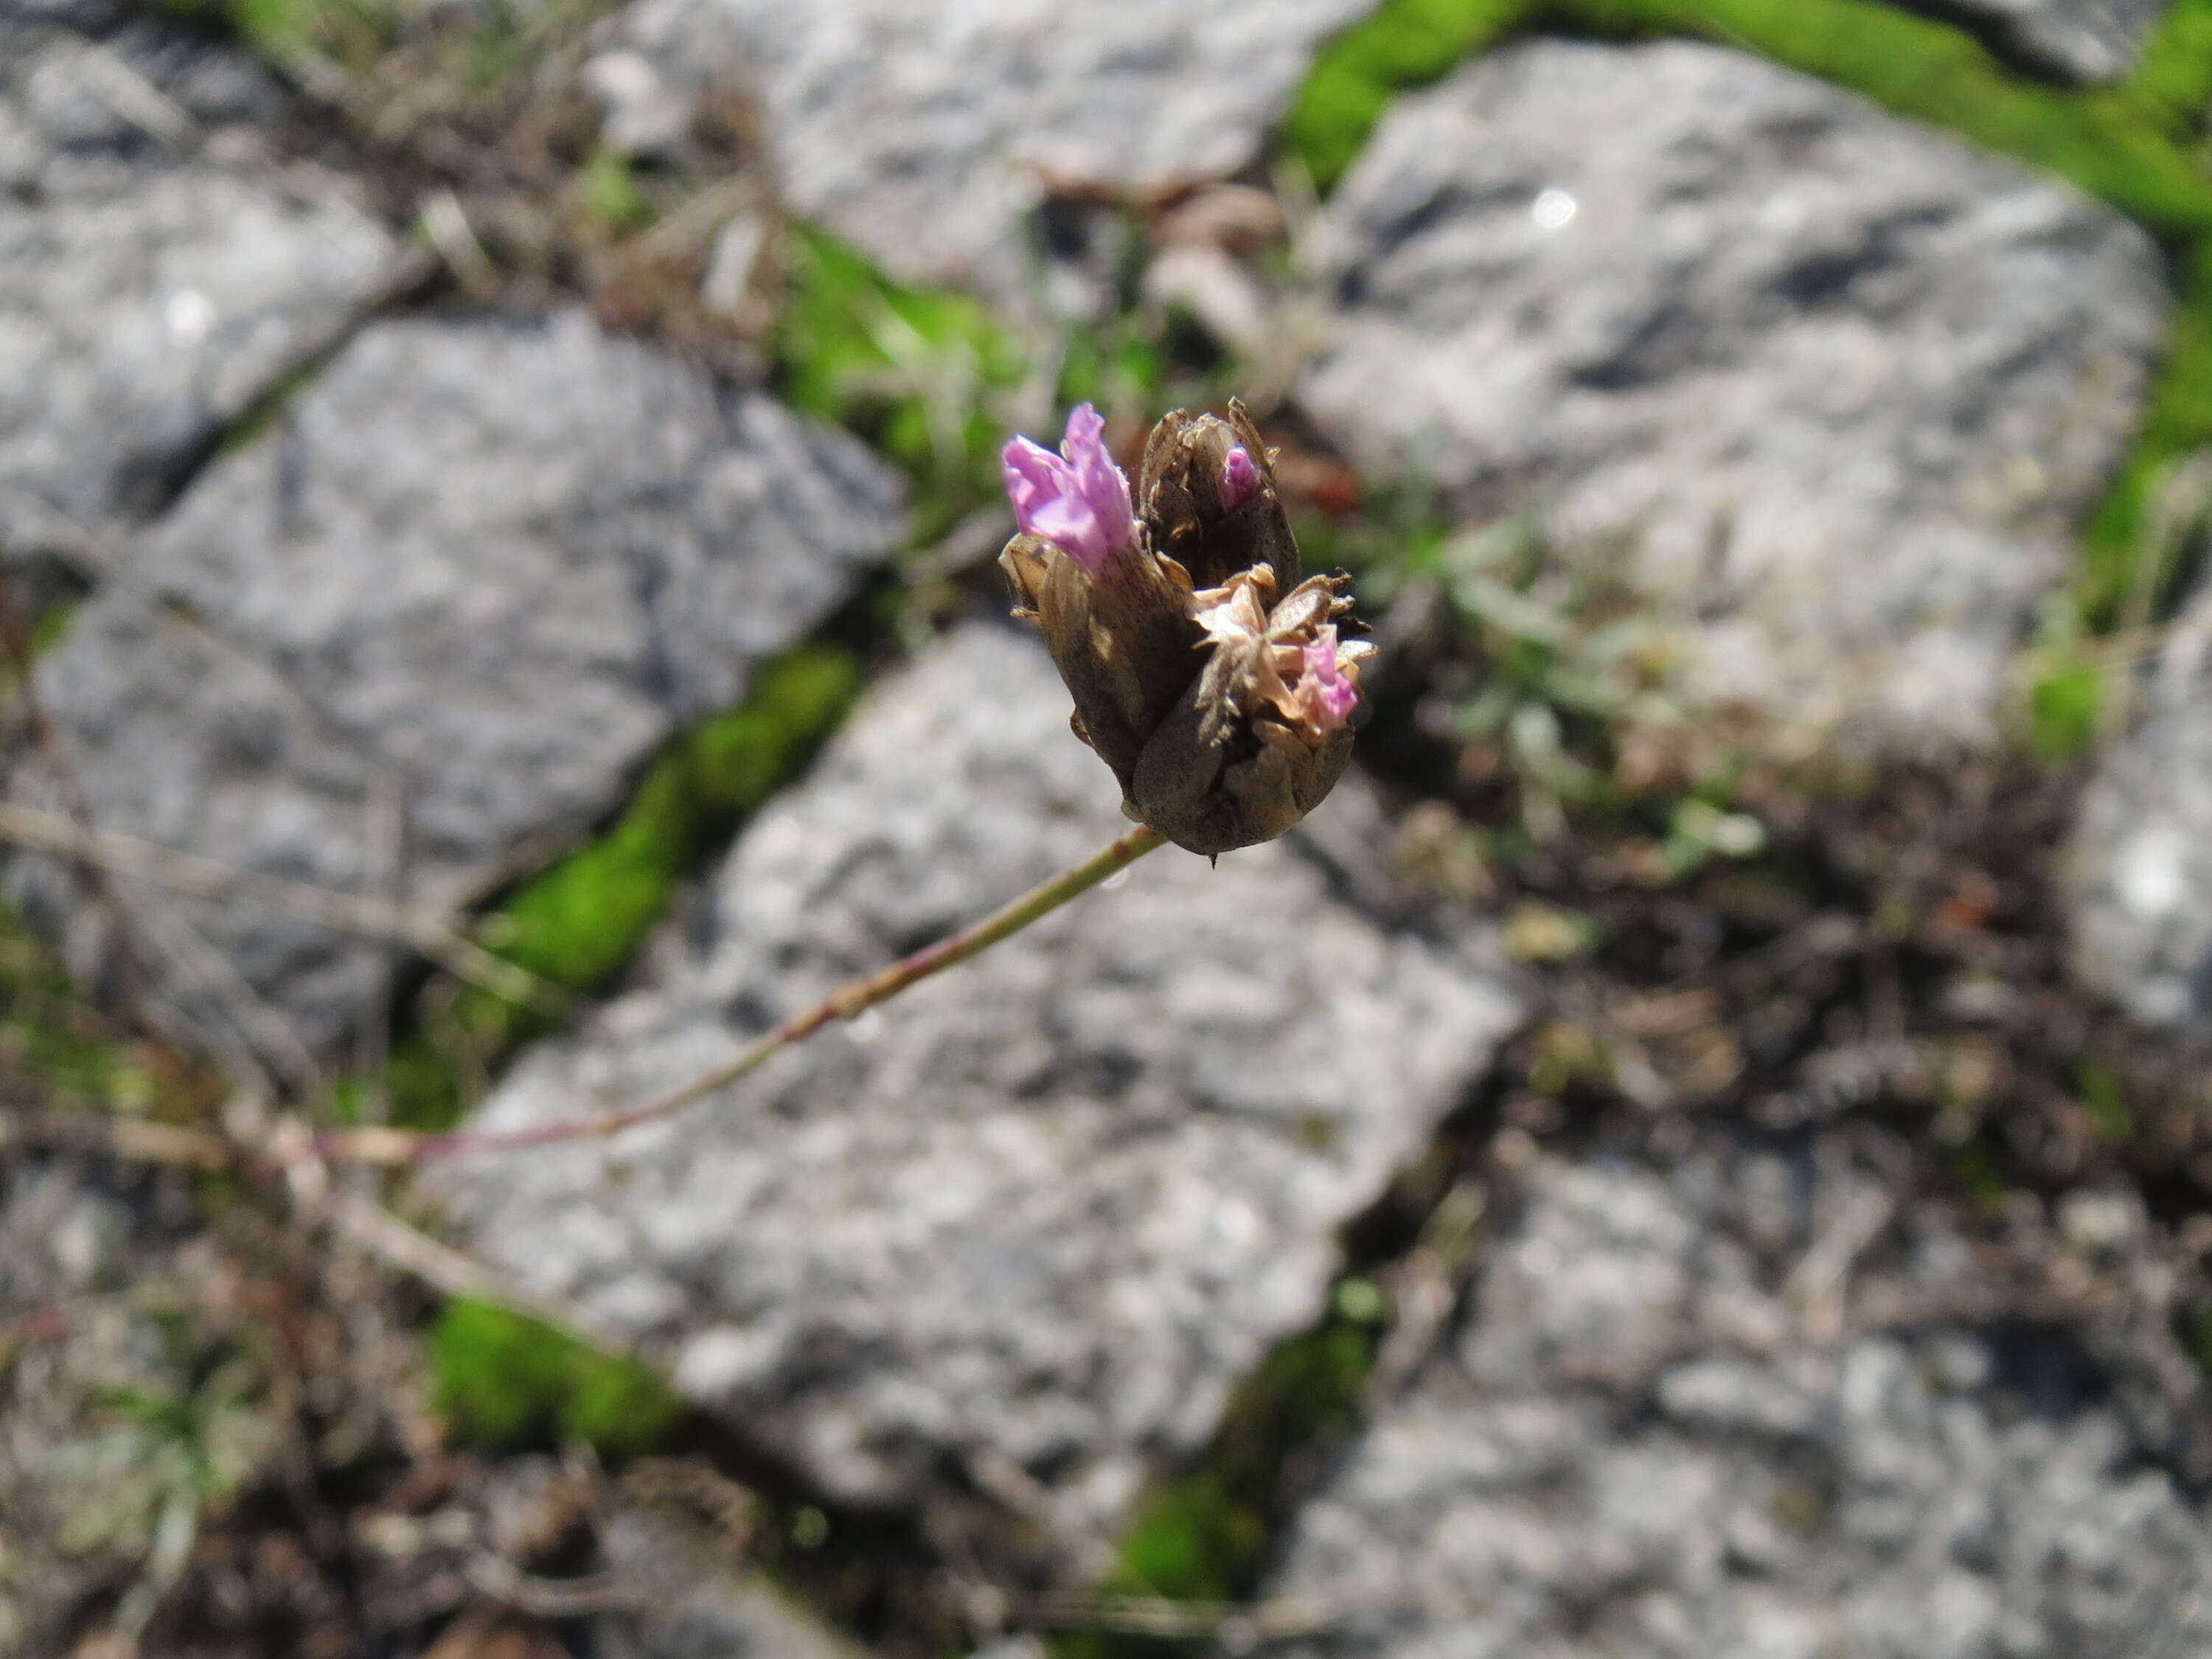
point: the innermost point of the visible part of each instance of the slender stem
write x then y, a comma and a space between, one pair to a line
382, 1146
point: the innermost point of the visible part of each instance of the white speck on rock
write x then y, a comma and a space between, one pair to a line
1553, 209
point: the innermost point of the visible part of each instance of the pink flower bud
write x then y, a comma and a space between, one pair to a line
1325, 695
1239, 479
1078, 500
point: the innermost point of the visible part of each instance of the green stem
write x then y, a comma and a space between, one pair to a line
384, 1146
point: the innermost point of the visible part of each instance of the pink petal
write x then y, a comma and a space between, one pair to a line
1077, 500
1032, 474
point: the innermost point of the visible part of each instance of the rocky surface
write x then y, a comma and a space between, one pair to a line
926, 131
478, 569
701, 1604
157, 275
1831, 390
1036, 1217
2086, 40
1643, 1445
2140, 869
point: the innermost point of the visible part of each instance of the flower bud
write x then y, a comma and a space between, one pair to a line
1205, 673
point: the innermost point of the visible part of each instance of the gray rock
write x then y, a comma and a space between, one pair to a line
2084, 40
701, 1605
924, 131
1035, 1217
488, 567
2139, 869
1635, 1450
1829, 391
149, 292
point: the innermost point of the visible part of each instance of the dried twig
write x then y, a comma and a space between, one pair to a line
445, 223
1818, 1282
430, 932
131, 97
252, 1041
2177, 509
453, 1272
554, 1598
384, 840
303, 1157
378, 1145
54, 534
302, 1161
1426, 1289
129, 1138
1238, 1625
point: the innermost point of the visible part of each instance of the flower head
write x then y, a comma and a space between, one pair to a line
1205, 670
1078, 500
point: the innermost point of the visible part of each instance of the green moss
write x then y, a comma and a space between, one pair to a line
2178, 423
577, 923
907, 368
2064, 706
1403, 43
52, 626
507, 1381
49, 1036
2194, 1326
2121, 145
610, 195
1204, 1538
481, 47
265, 411
1980, 1176
1120, 366
275, 28
2173, 81
2105, 1096
2109, 143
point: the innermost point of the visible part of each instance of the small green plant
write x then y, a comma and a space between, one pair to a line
1565, 657
2066, 689
610, 195
506, 1381
67, 1047
915, 370
178, 1453
319, 39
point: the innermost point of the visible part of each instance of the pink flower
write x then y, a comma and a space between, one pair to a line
1239, 479
1077, 500
1325, 694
